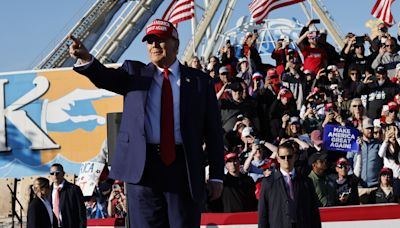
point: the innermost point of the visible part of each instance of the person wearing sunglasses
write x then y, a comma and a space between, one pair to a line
287, 198
388, 56
66, 199
390, 114
346, 185
357, 112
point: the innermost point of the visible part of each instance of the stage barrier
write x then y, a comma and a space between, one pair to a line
366, 216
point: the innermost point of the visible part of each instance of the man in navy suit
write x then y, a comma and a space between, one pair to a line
170, 112
287, 197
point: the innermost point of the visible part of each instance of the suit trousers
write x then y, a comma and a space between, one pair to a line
162, 198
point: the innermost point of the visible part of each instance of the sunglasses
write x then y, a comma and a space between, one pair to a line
386, 175
288, 157
357, 106
55, 173
342, 166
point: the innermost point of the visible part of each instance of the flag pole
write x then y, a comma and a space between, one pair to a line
303, 6
194, 28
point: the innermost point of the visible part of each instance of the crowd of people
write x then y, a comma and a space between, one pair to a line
310, 86
273, 118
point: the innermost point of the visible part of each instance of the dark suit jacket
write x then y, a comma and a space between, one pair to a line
199, 118
72, 207
273, 206
38, 215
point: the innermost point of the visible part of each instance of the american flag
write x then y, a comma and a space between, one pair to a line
259, 9
381, 11
179, 10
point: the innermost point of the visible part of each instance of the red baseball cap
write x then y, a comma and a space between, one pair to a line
342, 161
230, 155
330, 105
386, 170
285, 93
161, 29
392, 105
256, 76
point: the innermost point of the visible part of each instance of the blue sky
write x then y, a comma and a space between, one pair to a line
31, 29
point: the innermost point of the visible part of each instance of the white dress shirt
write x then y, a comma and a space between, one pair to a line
153, 105
53, 196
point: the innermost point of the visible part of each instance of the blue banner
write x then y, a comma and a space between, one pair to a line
340, 138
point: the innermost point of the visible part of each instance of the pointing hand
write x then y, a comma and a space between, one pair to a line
78, 51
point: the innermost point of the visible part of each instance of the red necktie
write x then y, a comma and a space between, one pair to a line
167, 143
56, 204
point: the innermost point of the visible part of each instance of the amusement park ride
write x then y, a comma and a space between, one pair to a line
108, 38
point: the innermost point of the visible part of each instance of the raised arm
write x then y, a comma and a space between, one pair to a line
78, 51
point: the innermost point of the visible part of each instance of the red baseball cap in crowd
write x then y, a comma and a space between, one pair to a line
285, 93
257, 75
342, 161
386, 170
330, 106
392, 105
230, 155
161, 29
118, 182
